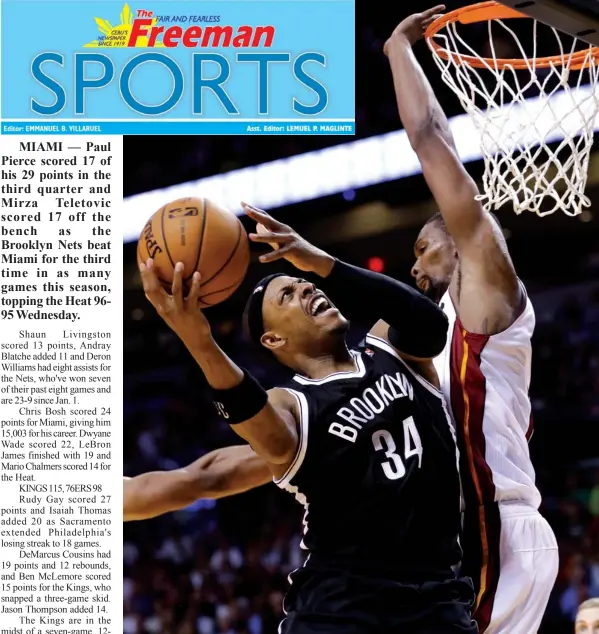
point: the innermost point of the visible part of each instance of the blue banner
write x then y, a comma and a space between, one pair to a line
180, 127
227, 67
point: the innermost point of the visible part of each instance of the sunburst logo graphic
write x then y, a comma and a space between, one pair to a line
118, 36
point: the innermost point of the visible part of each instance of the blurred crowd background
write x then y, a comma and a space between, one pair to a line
221, 568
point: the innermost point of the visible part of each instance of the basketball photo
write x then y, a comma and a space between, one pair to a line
362, 374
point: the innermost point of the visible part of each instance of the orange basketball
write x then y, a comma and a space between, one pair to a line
206, 238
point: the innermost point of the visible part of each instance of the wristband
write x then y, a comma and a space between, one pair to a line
240, 403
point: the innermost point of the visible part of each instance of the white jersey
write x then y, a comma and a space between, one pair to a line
485, 380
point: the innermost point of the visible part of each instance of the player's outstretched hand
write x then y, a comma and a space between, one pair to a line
414, 26
287, 244
183, 315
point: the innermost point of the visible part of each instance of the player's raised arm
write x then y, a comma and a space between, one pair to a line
220, 473
267, 422
413, 324
428, 132
484, 259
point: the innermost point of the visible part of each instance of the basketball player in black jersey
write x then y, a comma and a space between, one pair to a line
361, 437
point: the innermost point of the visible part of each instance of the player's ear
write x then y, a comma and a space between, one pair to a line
272, 341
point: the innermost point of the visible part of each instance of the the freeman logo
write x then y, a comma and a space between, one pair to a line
141, 28
359, 411
245, 36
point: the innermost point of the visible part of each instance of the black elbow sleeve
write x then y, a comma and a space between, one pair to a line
417, 326
426, 339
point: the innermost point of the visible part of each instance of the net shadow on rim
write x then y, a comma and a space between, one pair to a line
486, 11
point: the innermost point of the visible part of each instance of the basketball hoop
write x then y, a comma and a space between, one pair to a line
516, 132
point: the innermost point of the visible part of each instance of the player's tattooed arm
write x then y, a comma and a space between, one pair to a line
220, 473
489, 280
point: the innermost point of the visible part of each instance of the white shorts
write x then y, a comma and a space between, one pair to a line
528, 566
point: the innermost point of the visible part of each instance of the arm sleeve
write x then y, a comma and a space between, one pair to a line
417, 326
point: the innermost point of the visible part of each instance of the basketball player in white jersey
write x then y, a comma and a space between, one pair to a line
462, 262
220, 473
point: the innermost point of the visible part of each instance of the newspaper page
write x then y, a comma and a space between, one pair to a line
86, 76
61, 383
131, 135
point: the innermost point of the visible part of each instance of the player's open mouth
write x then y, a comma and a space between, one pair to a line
318, 305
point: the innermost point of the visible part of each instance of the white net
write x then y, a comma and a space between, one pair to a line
536, 149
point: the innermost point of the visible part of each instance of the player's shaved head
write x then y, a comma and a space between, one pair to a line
436, 257
438, 221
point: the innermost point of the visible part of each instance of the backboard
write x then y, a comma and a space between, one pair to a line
579, 18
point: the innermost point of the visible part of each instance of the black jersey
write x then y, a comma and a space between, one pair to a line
376, 468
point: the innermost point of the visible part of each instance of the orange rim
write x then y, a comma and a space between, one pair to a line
484, 11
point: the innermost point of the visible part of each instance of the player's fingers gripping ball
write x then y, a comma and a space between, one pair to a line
206, 238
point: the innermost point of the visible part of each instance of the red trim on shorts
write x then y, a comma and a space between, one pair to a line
481, 523
486, 596
531, 428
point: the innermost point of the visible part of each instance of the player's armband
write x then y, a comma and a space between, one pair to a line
242, 402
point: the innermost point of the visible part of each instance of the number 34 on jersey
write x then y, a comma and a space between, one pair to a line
394, 466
